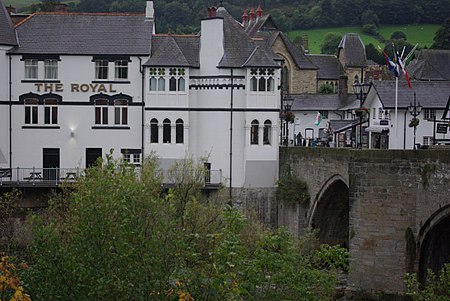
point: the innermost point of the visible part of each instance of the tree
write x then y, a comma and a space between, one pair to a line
326, 89
442, 36
398, 35
373, 54
370, 17
330, 43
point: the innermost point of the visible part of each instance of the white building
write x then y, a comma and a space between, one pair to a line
82, 84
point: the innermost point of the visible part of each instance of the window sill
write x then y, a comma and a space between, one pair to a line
106, 127
43, 81
99, 81
49, 127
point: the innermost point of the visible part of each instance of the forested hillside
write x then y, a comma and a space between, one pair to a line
183, 16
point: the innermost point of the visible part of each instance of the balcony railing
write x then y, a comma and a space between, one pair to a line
47, 177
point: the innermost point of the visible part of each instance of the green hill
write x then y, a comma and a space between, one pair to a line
420, 33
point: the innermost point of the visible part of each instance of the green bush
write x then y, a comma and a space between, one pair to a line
292, 190
435, 288
114, 236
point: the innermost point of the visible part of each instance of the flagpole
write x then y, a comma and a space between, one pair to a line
396, 117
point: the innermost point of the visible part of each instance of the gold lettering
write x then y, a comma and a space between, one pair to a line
111, 88
48, 87
38, 87
84, 88
59, 88
93, 87
75, 88
101, 88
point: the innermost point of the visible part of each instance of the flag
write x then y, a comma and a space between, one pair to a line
318, 118
401, 66
393, 67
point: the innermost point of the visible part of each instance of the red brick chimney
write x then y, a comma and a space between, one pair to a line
60, 8
245, 18
252, 14
259, 11
212, 12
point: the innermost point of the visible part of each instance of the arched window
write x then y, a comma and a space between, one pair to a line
166, 131
270, 84
31, 111
254, 131
179, 131
154, 131
120, 111
267, 135
101, 111
161, 84
262, 84
181, 84
253, 84
285, 79
356, 79
172, 84
336, 87
152, 84
50, 111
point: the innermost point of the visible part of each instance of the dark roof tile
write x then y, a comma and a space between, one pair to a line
329, 66
7, 34
430, 64
353, 49
168, 50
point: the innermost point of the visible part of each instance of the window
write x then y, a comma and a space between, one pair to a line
179, 131
161, 84
50, 69
101, 69
262, 79
31, 69
120, 112
380, 113
267, 135
285, 79
374, 113
166, 131
154, 131
50, 111
172, 84
181, 84
254, 132
131, 156
427, 140
429, 114
324, 114
31, 111
101, 111
152, 84
121, 69
137, 158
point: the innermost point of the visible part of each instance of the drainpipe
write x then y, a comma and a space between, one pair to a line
141, 69
404, 130
231, 139
10, 114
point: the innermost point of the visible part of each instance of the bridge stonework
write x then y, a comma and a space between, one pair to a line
390, 193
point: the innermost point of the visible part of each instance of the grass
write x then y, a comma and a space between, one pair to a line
421, 33
22, 3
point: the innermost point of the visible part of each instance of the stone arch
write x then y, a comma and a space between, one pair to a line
329, 212
288, 65
434, 242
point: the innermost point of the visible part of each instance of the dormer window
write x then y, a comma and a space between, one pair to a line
31, 69
121, 69
262, 80
101, 69
50, 69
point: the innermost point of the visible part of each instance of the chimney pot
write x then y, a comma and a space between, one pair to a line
259, 11
11, 9
244, 17
252, 14
149, 10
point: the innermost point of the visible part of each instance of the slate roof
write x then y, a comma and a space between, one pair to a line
353, 49
239, 47
300, 59
329, 66
7, 34
313, 102
433, 95
85, 34
430, 64
175, 50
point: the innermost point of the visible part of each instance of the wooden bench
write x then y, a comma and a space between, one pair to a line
5, 173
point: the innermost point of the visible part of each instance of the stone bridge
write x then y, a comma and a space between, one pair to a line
390, 207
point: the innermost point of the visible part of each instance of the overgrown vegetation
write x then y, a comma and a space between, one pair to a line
292, 190
114, 236
426, 171
435, 288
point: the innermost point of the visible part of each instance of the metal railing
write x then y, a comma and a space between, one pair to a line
34, 176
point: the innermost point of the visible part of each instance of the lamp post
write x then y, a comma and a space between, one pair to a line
360, 89
287, 105
414, 110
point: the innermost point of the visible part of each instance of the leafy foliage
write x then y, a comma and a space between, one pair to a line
436, 287
330, 43
291, 189
326, 89
442, 37
10, 284
397, 35
113, 236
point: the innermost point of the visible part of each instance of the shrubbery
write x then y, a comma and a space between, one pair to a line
114, 236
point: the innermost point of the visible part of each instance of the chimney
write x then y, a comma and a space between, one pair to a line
11, 9
60, 8
305, 43
252, 15
259, 11
343, 79
245, 18
149, 10
212, 12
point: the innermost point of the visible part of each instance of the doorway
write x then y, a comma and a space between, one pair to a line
92, 154
51, 163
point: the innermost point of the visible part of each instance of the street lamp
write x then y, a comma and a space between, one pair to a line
360, 89
414, 110
287, 105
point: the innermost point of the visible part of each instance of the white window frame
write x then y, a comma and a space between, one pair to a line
31, 109
121, 69
262, 80
50, 108
120, 112
101, 69
50, 69
267, 132
31, 69
101, 107
429, 114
